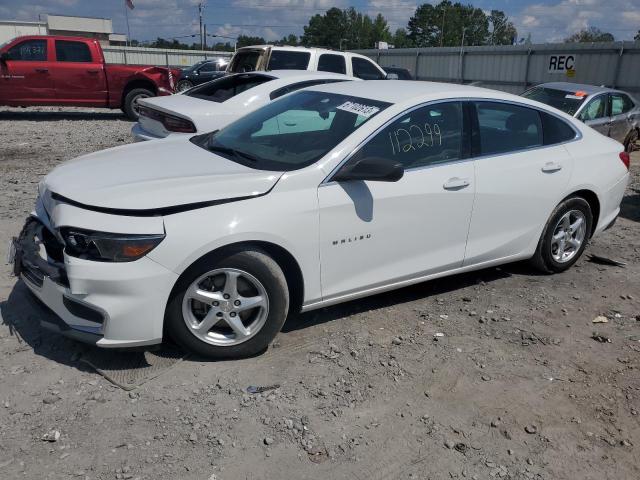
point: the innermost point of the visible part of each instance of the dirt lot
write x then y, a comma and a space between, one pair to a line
515, 388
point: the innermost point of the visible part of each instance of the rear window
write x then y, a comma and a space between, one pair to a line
224, 88
297, 86
287, 60
68, 51
568, 102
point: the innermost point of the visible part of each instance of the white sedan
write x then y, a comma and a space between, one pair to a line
217, 103
323, 196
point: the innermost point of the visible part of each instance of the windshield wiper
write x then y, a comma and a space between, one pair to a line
233, 152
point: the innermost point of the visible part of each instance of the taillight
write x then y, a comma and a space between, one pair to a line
626, 159
170, 122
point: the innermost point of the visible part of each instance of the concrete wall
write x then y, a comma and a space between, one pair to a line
515, 68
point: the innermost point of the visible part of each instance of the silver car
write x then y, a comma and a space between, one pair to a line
613, 113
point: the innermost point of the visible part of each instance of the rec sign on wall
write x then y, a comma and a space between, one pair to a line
561, 63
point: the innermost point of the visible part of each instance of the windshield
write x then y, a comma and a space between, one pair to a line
224, 88
292, 132
568, 102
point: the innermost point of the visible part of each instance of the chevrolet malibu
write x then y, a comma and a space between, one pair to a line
326, 195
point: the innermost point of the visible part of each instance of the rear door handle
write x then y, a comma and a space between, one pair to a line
42, 70
456, 183
93, 71
551, 167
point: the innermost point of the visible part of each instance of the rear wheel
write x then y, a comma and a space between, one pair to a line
183, 85
564, 237
130, 106
231, 307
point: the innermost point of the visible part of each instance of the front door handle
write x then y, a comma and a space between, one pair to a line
93, 71
42, 70
456, 183
551, 167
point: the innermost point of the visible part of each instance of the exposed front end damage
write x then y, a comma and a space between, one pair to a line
107, 304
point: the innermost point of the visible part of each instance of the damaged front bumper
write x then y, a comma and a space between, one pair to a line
106, 304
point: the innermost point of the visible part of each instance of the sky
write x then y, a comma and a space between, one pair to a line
545, 20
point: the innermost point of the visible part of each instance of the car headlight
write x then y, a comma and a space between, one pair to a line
107, 247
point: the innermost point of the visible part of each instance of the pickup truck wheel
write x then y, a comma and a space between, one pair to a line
183, 85
130, 106
229, 307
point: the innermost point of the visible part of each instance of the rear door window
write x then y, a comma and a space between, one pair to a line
506, 127
224, 88
330, 62
620, 103
288, 60
365, 69
68, 51
555, 130
29, 51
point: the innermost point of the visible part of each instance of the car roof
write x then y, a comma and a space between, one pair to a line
574, 87
298, 74
296, 48
406, 91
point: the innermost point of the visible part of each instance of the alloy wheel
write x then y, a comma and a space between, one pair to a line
568, 236
225, 307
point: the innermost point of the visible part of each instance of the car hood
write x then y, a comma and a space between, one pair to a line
157, 175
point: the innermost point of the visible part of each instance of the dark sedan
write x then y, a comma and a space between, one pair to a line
202, 72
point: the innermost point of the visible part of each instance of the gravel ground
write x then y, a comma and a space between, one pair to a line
515, 388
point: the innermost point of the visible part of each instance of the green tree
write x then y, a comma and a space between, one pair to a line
503, 32
290, 39
588, 35
345, 29
245, 41
401, 39
448, 24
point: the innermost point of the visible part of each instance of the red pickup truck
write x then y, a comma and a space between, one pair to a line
71, 71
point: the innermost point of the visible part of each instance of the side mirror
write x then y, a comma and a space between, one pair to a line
4, 56
392, 76
375, 169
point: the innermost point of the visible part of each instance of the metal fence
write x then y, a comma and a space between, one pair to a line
515, 68
158, 56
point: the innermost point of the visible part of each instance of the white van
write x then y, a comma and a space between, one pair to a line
270, 57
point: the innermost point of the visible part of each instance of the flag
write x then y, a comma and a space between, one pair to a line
129, 4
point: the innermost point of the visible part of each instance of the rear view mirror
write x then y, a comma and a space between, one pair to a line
375, 169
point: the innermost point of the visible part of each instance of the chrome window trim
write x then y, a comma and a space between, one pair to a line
578, 134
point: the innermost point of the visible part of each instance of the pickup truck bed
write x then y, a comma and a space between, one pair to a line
71, 71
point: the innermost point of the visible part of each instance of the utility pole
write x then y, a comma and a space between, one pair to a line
205, 36
200, 8
444, 10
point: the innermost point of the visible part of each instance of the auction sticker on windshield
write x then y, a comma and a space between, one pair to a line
358, 109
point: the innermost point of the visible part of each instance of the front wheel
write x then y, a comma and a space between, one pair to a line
184, 85
130, 106
232, 307
565, 236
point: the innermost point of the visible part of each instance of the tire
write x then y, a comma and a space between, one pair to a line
546, 258
183, 85
631, 141
185, 314
129, 102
